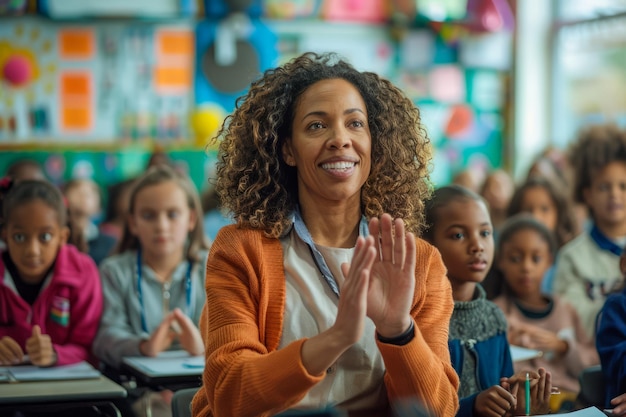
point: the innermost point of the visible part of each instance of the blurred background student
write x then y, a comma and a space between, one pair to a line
545, 201
587, 267
497, 189
214, 216
25, 169
84, 207
116, 210
154, 287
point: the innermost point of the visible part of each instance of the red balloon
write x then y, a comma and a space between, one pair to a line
17, 70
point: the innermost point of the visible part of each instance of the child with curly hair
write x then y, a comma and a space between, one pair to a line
587, 268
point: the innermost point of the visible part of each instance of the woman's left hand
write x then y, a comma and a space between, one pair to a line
392, 277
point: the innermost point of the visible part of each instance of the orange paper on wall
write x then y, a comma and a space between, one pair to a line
172, 78
76, 98
175, 42
174, 63
76, 43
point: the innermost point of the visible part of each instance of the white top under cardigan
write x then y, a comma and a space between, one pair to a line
355, 381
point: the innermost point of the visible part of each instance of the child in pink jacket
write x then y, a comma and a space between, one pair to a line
50, 293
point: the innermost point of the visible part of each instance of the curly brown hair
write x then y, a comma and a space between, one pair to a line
595, 148
260, 189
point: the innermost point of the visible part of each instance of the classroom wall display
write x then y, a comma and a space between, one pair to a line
367, 47
71, 9
218, 9
136, 77
461, 99
292, 9
370, 11
229, 54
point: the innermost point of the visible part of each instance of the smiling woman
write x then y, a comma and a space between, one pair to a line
321, 294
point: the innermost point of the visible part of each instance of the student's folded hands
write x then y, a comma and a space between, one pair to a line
189, 335
176, 325
38, 348
540, 391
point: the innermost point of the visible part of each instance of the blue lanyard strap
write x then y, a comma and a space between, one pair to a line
318, 258
139, 273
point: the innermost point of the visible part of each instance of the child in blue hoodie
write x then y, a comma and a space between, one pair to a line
458, 224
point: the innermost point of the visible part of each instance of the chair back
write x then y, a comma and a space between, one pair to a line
181, 402
592, 387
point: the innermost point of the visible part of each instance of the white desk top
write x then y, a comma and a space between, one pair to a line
167, 364
100, 388
519, 353
24, 373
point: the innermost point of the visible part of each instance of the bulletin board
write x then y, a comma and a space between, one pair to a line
460, 89
95, 82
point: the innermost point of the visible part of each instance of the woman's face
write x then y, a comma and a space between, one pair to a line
330, 145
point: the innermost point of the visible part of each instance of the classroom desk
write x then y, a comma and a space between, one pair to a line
84, 390
519, 353
171, 369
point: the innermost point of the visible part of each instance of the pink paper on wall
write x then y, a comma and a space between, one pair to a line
356, 10
447, 84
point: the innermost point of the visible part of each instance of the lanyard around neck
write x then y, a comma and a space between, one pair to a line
318, 258
139, 273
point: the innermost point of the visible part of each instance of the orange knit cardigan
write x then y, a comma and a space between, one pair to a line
241, 324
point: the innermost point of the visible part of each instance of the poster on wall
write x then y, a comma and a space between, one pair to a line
95, 82
461, 100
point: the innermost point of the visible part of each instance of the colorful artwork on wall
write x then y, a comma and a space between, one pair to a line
56, 77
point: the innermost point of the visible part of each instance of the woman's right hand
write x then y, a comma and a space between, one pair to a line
352, 308
10, 352
495, 401
321, 351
